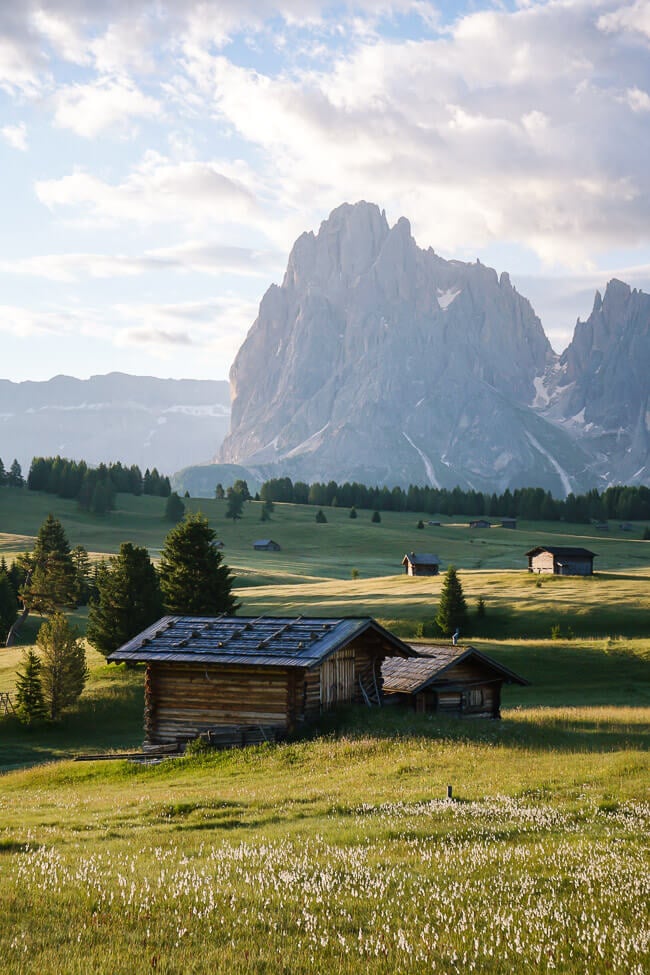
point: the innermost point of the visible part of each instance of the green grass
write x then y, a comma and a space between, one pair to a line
337, 852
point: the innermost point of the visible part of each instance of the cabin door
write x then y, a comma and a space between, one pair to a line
337, 679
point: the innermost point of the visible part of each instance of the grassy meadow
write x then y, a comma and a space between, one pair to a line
339, 851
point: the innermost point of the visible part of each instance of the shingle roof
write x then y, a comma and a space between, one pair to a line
412, 675
266, 641
563, 551
421, 558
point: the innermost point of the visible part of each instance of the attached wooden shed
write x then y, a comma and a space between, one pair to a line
266, 545
561, 560
458, 681
211, 674
421, 564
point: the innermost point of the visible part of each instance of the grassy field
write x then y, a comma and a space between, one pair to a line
339, 852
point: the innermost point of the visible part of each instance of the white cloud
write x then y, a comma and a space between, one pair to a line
204, 257
632, 17
156, 191
15, 136
89, 109
639, 101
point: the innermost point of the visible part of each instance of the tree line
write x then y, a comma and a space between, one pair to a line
126, 593
530, 504
12, 477
94, 487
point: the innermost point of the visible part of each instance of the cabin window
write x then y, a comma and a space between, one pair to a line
475, 697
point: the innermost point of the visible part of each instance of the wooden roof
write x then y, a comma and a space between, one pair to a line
238, 640
414, 674
563, 551
421, 558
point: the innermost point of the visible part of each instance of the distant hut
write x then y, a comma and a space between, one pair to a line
240, 680
459, 681
561, 560
509, 523
480, 523
266, 545
421, 564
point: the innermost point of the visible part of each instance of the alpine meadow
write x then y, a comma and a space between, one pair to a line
325, 487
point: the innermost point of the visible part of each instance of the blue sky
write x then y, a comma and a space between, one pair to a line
158, 159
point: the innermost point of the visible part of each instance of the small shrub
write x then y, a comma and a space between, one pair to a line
355, 573
320, 517
556, 632
353, 512
376, 518
480, 608
420, 523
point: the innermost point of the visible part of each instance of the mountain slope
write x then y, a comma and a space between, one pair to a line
376, 360
163, 423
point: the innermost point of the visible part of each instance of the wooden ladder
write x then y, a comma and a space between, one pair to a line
369, 687
6, 703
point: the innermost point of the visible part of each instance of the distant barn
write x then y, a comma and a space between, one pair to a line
421, 564
561, 560
459, 681
235, 676
266, 545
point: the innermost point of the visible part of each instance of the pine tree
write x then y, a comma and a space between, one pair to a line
29, 690
8, 604
193, 577
63, 664
376, 518
15, 476
81, 562
320, 517
452, 608
235, 504
174, 508
353, 512
52, 575
128, 599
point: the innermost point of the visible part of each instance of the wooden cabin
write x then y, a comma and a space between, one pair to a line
509, 523
266, 545
421, 564
210, 675
458, 681
480, 523
560, 560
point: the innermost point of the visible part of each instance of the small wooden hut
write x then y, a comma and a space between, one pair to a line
421, 564
229, 674
459, 681
480, 523
561, 560
266, 545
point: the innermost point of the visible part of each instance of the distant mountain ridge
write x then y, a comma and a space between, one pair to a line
163, 423
378, 361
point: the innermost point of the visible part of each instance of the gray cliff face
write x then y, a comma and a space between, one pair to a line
600, 390
378, 361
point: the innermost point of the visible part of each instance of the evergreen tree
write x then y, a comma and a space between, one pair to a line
235, 504
3, 473
128, 599
63, 664
242, 488
50, 579
353, 512
320, 517
29, 690
376, 518
452, 608
8, 604
81, 562
15, 475
174, 508
193, 577
219, 492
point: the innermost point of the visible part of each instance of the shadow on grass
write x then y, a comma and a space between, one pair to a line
106, 718
548, 733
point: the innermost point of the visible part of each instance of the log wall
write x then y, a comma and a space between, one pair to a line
184, 700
